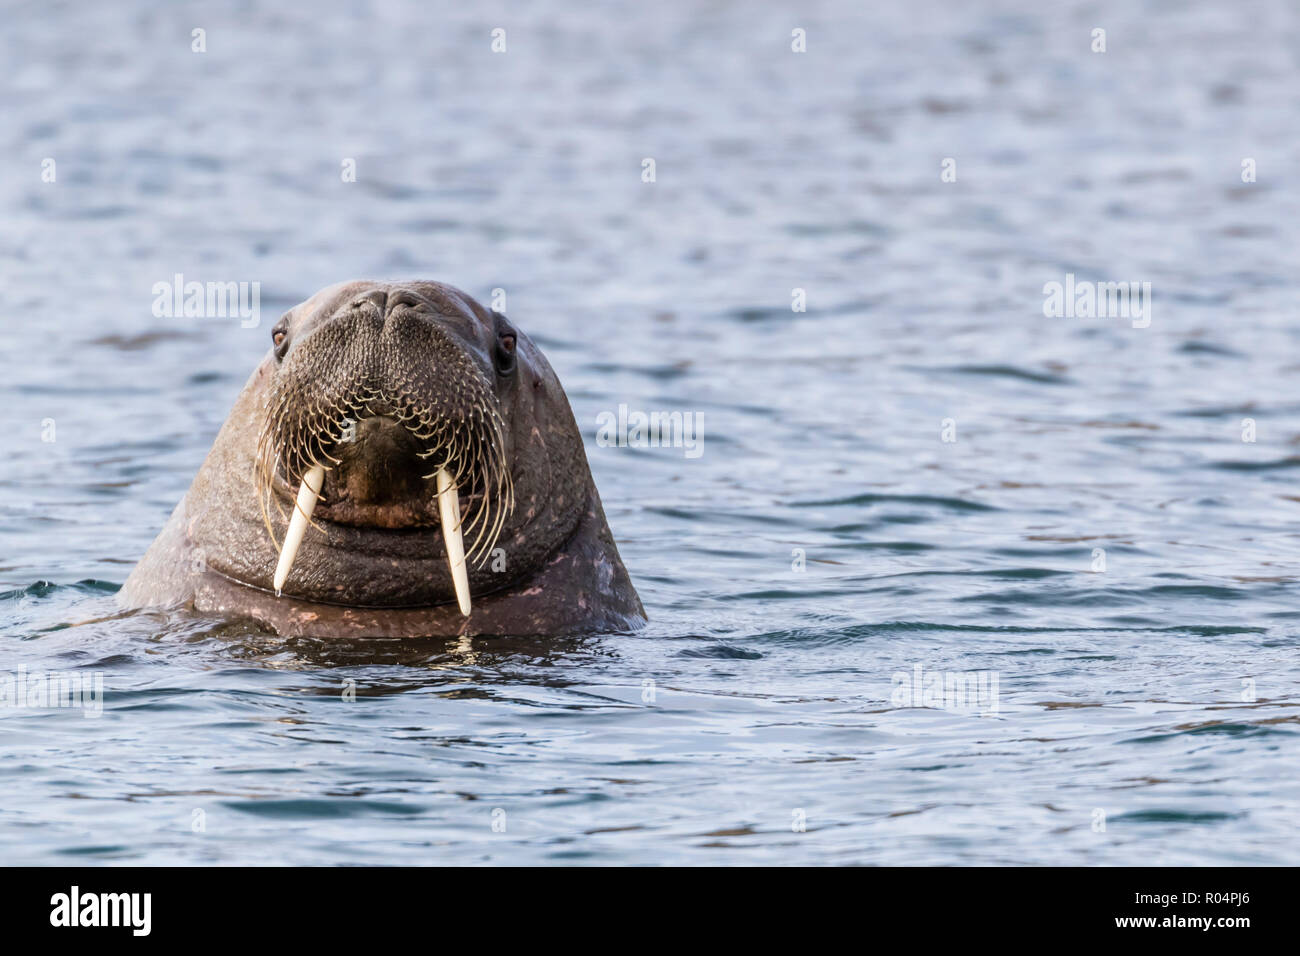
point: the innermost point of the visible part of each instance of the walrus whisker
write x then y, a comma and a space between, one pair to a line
505, 490
485, 511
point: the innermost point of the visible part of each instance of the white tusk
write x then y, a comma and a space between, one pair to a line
307, 495
449, 517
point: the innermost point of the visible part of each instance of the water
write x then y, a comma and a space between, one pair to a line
1158, 695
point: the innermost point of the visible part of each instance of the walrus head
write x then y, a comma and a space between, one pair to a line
386, 409
402, 463
411, 447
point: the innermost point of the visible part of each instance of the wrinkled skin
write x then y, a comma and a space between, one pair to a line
375, 563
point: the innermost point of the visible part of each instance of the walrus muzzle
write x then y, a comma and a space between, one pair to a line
381, 418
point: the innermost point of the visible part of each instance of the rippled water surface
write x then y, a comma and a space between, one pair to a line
1157, 696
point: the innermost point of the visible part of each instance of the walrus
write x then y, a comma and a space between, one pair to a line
402, 463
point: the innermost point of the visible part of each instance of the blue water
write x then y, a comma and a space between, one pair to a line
1144, 713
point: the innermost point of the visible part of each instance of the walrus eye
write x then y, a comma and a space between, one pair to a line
505, 353
279, 338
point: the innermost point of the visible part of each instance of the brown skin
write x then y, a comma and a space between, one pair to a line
374, 564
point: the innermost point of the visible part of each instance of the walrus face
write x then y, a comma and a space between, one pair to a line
392, 415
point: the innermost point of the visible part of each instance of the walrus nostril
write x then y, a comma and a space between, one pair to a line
377, 296
404, 298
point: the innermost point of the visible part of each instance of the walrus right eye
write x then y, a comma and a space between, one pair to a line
280, 340
505, 352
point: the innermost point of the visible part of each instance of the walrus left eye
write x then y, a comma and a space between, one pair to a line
279, 340
505, 352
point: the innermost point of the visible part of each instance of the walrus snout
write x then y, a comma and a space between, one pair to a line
380, 464
380, 479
